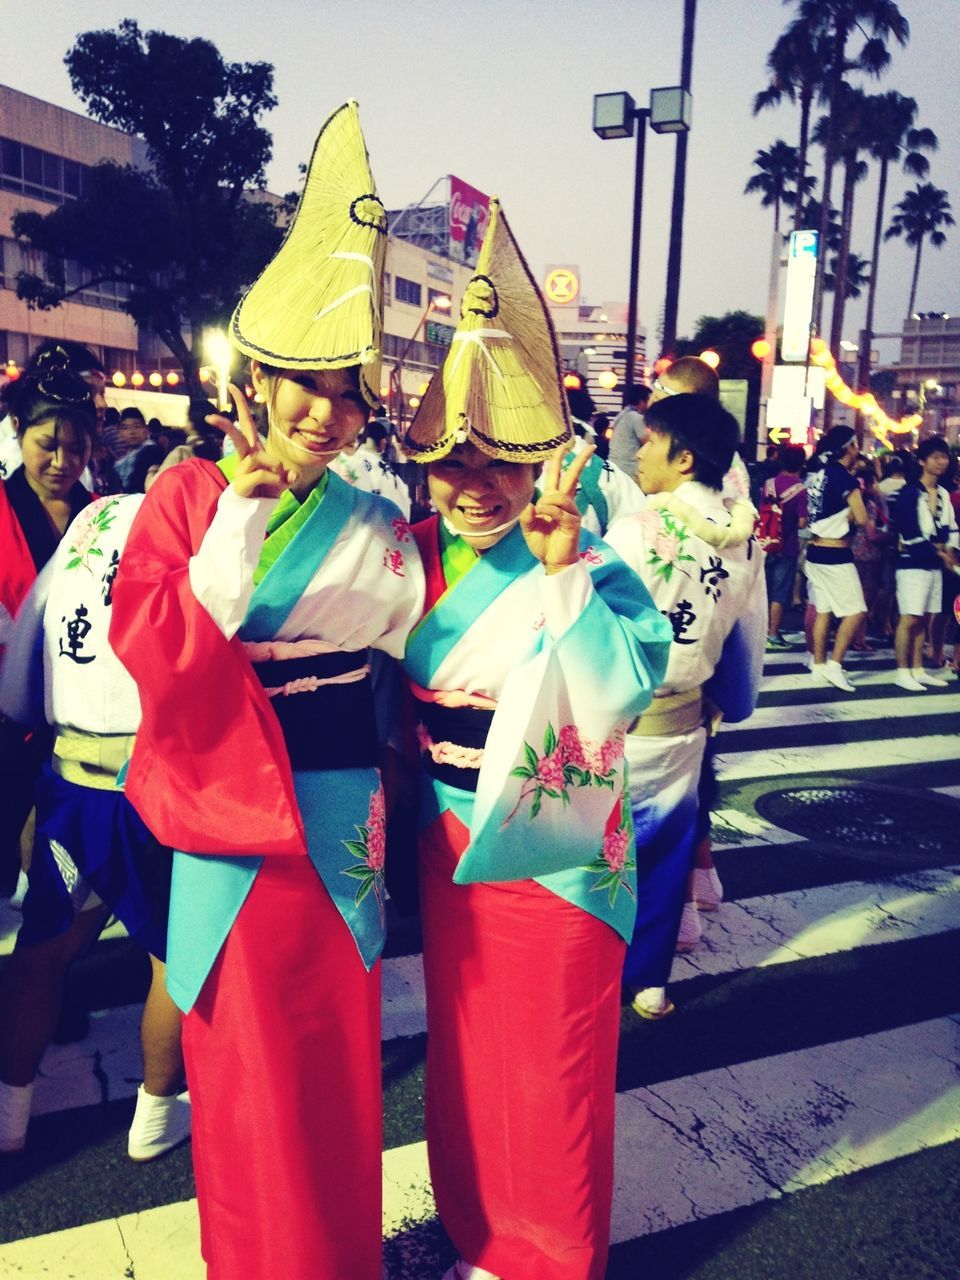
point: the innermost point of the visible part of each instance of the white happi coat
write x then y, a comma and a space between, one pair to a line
714, 597
716, 601
84, 685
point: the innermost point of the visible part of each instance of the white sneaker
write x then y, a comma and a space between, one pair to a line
835, 675
652, 1003
691, 930
15, 1100
927, 677
904, 680
808, 660
159, 1125
707, 889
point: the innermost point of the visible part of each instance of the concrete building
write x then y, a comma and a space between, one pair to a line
928, 373
44, 154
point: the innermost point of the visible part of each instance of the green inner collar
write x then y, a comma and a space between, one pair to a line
287, 519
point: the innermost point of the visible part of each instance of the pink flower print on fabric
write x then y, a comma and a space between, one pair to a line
650, 521
370, 852
667, 538
96, 519
613, 863
377, 831
590, 555
550, 771
616, 846
571, 744
667, 546
566, 760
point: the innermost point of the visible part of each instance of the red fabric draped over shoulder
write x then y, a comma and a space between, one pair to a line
210, 771
427, 537
17, 570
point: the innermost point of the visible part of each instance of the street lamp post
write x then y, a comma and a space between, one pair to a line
440, 302
615, 115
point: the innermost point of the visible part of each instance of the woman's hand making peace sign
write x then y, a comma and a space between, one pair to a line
552, 525
259, 473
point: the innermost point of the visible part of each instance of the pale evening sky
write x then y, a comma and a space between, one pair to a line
499, 92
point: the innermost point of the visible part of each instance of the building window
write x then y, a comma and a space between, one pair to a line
408, 291
15, 258
33, 172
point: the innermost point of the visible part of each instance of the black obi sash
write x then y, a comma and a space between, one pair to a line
457, 733
332, 726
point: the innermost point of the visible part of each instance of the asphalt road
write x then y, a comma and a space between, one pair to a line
799, 1115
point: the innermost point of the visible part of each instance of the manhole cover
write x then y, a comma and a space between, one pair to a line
866, 818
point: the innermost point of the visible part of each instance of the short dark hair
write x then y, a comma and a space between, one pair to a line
376, 432
635, 393
933, 444
792, 457
701, 425
582, 404
132, 412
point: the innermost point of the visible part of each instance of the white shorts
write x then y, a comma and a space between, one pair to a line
919, 591
835, 588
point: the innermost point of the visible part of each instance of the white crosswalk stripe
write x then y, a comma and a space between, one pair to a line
695, 1144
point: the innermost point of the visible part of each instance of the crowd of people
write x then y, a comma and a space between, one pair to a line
867, 549
231, 666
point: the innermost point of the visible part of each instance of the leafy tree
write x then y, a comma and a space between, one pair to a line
894, 139
796, 66
920, 216
776, 169
731, 336
185, 234
837, 21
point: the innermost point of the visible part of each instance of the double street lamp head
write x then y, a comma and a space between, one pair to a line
615, 114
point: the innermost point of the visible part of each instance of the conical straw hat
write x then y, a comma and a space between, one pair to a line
500, 386
319, 303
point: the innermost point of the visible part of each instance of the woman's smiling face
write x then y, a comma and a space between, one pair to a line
313, 414
477, 494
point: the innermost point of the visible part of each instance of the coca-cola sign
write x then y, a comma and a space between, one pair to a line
469, 215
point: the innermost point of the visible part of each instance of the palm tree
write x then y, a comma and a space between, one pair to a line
920, 215
858, 275
837, 20
795, 64
776, 169
894, 138
850, 127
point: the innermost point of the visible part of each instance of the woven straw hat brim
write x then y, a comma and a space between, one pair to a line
500, 386
319, 304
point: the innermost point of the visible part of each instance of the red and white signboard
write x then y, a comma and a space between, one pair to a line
469, 215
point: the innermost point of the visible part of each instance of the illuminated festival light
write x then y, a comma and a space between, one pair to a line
864, 402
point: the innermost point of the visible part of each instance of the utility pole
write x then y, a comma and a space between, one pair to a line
674, 254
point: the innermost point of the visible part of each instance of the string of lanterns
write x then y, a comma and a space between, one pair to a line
864, 401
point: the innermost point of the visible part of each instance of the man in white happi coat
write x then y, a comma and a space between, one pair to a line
710, 584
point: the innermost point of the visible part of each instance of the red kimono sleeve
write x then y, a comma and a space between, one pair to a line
17, 570
210, 771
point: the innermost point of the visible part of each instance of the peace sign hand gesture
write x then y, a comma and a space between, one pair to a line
552, 526
259, 473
